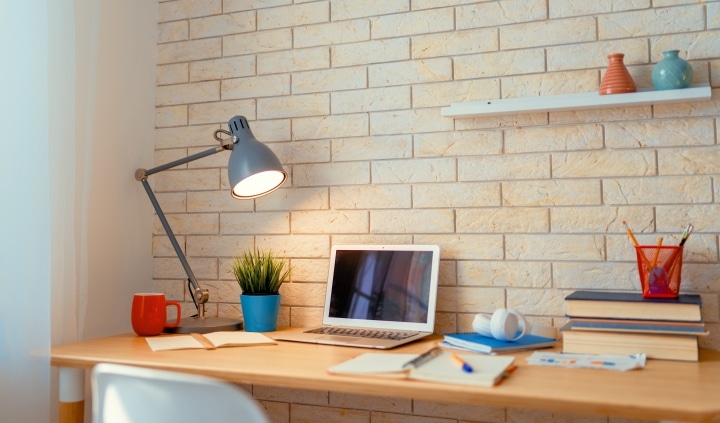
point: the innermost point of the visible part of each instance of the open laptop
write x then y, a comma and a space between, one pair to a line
378, 296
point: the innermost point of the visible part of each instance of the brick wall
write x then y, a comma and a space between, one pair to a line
526, 207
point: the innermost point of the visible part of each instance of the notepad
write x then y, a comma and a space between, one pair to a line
207, 341
487, 370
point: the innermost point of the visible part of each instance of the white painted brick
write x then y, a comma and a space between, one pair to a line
408, 121
172, 202
593, 275
168, 95
309, 270
440, 94
470, 299
551, 84
303, 152
414, 170
293, 15
194, 223
351, 9
536, 301
181, 180
294, 246
503, 63
503, 121
215, 201
431, 4
455, 43
295, 199
294, 106
329, 222
217, 245
371, 197
658, 190
660, 133
603, 164
370, 100
293, 60
713, 15
257, 42
592, 219
184, 51
255, 223
187, 136
548, 33
410, 72
503, 220
172, 74
553, 192
601, 115
411, 221
371, 52
594, 54
183, 9
372, 239
554, 138
458, 143
332, 33
651, 22
328, 174
555, 247
497, 168
170, 268
372, 148
221, 112
238, 5
412, 23
171, 116
706, 108
219, 25
172, 31
332, 126
461, 194
252, 87
567, 8
329, 80
466, 246
500, 13
303, 294
504, 274
224, 68
695, 161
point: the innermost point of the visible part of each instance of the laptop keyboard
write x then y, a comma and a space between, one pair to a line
363, 333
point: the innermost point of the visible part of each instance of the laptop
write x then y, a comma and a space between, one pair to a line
378, 296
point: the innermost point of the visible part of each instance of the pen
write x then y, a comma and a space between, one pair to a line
422, 358
462, 363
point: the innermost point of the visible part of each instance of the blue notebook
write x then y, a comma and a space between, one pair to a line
472, 341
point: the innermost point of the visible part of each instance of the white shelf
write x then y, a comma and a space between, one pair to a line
574, 102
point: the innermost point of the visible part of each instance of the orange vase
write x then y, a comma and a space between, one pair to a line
617, 79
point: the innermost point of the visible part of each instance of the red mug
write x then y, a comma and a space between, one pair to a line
149, 314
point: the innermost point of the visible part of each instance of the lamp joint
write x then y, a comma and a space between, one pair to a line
141, 174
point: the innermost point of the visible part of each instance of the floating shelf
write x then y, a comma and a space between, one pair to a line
580, 101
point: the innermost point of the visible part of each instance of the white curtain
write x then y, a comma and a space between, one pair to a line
76, 118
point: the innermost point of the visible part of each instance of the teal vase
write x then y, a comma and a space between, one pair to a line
260, 311
672, 72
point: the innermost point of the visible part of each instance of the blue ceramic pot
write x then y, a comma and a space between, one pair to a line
260, 311
672, 72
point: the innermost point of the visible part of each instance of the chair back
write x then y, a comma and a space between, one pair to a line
128, 394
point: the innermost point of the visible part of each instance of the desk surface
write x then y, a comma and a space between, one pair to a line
665, 390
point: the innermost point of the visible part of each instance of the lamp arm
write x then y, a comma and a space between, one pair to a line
200, 295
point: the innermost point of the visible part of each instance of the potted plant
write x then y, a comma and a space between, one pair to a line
260, 275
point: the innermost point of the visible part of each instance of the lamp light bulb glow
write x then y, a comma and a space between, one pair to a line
259, 184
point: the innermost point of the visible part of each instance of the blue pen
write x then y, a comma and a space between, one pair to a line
463, 365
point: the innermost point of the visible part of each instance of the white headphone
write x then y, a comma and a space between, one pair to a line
506, 325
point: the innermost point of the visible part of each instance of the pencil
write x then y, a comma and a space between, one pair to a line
657, 252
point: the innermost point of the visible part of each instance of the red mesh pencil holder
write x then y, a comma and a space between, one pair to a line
660, 268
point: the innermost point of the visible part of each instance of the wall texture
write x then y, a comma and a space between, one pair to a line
526, 208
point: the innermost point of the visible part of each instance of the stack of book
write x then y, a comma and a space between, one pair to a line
604, 322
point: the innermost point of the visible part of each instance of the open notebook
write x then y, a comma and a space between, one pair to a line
378, 296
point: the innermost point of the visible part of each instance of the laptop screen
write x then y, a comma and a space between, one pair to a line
383, 284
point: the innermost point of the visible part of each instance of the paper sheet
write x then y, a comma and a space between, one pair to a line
591, 361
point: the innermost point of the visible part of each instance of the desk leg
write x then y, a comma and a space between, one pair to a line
71, 394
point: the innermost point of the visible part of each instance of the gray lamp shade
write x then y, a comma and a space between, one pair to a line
254, 170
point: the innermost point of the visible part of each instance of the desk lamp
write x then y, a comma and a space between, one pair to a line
253, 171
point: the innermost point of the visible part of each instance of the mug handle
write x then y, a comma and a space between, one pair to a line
176, 304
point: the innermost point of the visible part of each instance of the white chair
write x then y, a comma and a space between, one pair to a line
127, 394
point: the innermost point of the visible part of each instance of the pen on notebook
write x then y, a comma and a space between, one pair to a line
422, 358
462, 363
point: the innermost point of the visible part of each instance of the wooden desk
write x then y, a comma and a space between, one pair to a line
664, 390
